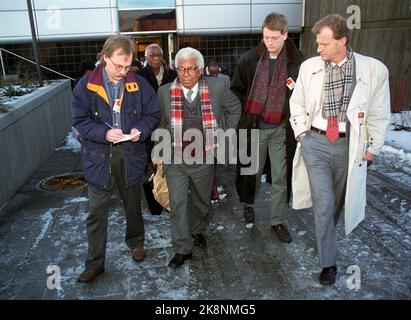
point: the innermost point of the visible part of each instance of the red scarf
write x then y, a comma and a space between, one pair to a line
177, 114
267, 95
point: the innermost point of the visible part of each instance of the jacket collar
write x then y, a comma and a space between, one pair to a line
293, 54
95, 83
319, 66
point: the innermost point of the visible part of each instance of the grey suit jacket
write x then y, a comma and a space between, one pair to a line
226, 105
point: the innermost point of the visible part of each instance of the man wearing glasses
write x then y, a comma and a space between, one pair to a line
156, 71
115, 111
192, 104
263, 80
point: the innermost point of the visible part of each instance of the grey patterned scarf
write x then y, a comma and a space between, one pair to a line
338, 81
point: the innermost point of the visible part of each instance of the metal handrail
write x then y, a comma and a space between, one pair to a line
28, 60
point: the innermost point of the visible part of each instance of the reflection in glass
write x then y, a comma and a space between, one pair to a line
141, 4
147, 20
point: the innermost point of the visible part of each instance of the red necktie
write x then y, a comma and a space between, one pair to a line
332, 129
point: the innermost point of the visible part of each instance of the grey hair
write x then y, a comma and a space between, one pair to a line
189, 53
152, 46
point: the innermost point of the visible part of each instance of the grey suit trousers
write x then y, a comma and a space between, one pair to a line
327, 167
190, 193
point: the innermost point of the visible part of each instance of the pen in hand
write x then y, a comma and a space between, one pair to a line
108, 125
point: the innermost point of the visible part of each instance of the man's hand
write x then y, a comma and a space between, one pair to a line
133, 132
156, 161
368, 156
114, 135
301, 136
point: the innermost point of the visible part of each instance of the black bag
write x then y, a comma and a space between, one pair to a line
154, 207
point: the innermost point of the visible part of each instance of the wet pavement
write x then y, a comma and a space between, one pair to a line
41, 230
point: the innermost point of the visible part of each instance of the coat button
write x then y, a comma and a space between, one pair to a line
308, 114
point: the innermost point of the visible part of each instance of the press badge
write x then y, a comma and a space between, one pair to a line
290, 83
361, 117
117, 105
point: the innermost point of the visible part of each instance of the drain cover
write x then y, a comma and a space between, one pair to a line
63, 182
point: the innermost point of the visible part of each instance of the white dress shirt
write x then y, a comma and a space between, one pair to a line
194, 89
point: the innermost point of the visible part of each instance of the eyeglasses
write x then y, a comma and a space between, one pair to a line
273, 39
189, 71
119, 67
155, 55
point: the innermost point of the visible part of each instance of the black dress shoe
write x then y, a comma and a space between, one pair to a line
199, 240
89, 275
178, 260
282, 233
249, 214
327, 276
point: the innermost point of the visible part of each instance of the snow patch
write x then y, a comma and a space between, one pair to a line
76, 200
46, 218
399, 153
70, 143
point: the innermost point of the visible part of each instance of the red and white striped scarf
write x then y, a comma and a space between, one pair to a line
177, 114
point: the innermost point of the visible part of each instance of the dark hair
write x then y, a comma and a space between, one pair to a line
276, 21
338, 25
136, 63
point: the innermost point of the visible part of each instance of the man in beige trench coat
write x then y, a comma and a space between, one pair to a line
340, 110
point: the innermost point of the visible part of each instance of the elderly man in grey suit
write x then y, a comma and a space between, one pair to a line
193, 103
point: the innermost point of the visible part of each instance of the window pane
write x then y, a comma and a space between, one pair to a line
147, 20
125, 4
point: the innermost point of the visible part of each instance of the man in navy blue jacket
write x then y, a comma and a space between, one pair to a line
115, 111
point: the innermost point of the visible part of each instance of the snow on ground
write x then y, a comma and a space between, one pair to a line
400, 139
25, 91
70, 143
398, 142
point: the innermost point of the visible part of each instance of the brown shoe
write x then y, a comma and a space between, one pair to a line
138, 254
89, 275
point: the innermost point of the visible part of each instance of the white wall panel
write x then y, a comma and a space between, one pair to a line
233, 16
293, 12
58, 20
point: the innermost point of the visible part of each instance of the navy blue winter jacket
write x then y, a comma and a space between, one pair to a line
90, 109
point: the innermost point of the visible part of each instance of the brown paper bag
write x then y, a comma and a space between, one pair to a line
160, 189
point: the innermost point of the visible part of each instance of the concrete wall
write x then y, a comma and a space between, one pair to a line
30, 132
385, 34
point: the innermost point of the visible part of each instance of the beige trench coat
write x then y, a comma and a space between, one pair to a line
369, 116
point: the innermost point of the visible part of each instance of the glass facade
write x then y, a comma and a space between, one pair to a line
147, 20
225, 50
64, 57
142, 4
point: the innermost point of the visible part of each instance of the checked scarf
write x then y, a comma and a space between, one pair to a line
338, 81
177, 114
267, 95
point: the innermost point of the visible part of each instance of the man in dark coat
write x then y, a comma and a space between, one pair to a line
156, 71
114, 111
263, 80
